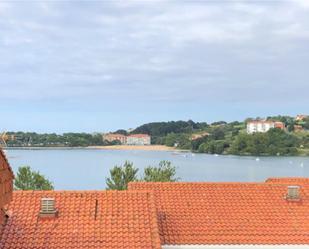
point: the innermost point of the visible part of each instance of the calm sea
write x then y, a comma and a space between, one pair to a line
87, 169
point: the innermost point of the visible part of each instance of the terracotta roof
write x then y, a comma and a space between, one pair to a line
6, 183
288, 180
229, 213
6, 164
124, 219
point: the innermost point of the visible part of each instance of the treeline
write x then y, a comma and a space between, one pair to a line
273, 142
215, 138
159, 130
24, 139
231, 138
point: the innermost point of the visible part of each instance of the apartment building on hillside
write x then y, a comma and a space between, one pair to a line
134, 139
263, 126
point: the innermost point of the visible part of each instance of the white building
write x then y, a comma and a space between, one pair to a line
263, 126
138, 139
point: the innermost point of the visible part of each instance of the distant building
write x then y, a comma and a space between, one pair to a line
263, 126
301, 117
110, 137
138, 139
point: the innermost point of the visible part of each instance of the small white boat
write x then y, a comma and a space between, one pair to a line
257, 159
302, 165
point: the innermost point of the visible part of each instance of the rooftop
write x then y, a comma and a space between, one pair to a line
229, 213
156, 215
86, 219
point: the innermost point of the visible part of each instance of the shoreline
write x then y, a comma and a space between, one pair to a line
136, 147
142, 148
108, 147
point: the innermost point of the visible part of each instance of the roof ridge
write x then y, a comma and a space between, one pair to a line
81, 191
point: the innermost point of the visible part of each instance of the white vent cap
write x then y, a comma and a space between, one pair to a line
48, 207
293, 193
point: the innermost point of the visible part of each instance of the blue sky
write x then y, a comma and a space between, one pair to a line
103, 65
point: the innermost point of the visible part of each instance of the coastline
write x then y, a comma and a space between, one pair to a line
136, 147
109, 147
303, 153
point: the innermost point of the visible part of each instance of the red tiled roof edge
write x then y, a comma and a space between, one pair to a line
288, 180
7, 161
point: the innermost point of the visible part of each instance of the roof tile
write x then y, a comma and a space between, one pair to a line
229, 213
124, 219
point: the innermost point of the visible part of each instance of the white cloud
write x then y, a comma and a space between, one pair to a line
4, 7
302, 3
65, 49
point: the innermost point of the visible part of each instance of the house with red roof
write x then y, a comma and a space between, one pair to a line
301, 117
111, 137
271, 214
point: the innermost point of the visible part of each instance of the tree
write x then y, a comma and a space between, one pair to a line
306, 123
27, 179
290, 128
218, 134
166, 172
181, 140
120, 176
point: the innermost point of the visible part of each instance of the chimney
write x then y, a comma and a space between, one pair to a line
293, 193
48, 208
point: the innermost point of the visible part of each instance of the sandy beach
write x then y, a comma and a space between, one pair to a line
135, 147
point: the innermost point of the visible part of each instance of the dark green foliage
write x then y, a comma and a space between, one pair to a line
54, 140
219, 123
290, 127
123, 132
213, 147
165, 172
195, 144
229, 138
218, 133
287, 120
274, 142
306, 123
159, 130
178, 140
120, 176
26, 179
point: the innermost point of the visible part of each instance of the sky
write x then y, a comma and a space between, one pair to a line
97, 66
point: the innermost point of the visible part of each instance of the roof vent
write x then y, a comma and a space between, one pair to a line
293, 193
48, 208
